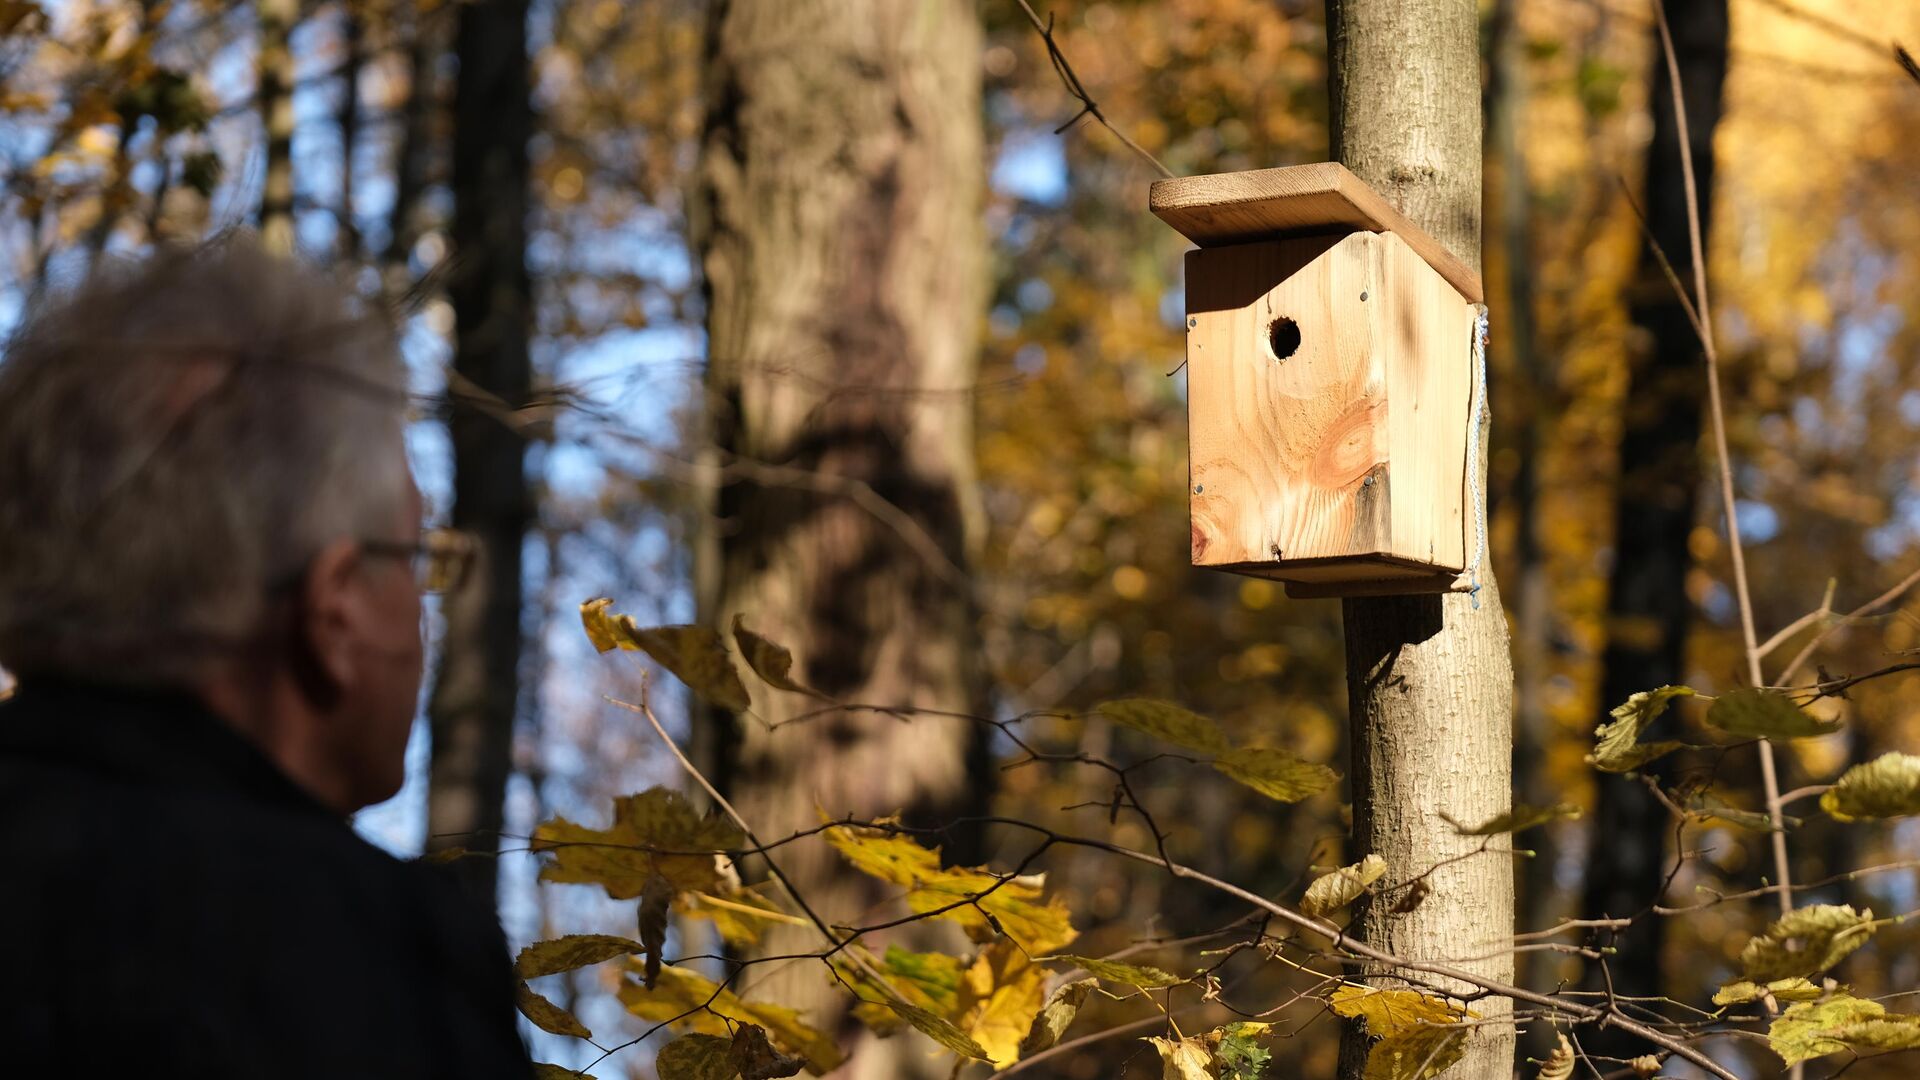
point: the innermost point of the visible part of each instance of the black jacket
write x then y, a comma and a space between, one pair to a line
172, 905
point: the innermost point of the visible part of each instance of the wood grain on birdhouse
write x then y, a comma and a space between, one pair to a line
1329, 382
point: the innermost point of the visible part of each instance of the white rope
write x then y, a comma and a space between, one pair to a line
1476, 418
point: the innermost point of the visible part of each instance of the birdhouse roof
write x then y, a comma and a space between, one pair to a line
1300, 200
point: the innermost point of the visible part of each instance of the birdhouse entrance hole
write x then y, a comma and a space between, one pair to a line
1330, 376
1284, 337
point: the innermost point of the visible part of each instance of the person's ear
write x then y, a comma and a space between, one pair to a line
332, 621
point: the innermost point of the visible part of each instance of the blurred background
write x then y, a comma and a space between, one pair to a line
561, 196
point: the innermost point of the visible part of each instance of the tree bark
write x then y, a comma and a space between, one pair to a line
838, 224
476, 694
1430, 682
1656, 496
277, 18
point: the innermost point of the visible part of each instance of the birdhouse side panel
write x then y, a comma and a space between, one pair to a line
1425, 328
1287, 401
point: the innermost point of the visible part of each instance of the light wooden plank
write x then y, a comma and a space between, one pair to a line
1267, 204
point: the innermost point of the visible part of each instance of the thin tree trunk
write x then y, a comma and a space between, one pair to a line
411, 154
1656, 494
475, 697
352, 36
277, 19
1430, 682
838, 224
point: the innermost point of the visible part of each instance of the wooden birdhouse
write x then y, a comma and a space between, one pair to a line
1330, 384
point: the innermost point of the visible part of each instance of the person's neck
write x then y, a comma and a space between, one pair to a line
267, 708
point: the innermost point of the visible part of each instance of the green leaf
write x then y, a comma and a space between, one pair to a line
770, 661
696, 1057
544, 1071
1708, 809
1888, 786
1416, 1053
929, 980
1056, 1016
1808, 1031
1182, 1059
1765, 714
1740, 991
1520, 817
570, 952
1617, 745
1389, 1012
1239, 1056
1334, 891
693, 654
1277, 774
1146, 978
1167, 722
546, 1015
1806, 942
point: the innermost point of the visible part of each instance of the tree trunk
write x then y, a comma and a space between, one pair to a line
1647, 605
838, 223
277, 18
347, 117
476, 693
1429, 680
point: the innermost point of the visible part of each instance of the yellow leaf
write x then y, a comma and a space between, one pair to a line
1740, 991
1276, 774
1334, 891
1167, 722
740, 917
1182, 1059
1559, 1064
1617, 747
1764, 714
999, 997
656, 831
1056, 1016
1807, 941
1146, 978
771, 662
1390, 1012
1839, 1023
696, 1057
1888, 786
693, 654
1416, 1053
939, 1029
570, 952
754, 1058
979, 900
546, 1015
707, 1007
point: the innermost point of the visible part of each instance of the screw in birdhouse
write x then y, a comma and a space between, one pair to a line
1192, 322
1368, 482
1275, 549
1198, 488
1363, 296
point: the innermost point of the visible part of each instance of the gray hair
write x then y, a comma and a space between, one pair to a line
178, 435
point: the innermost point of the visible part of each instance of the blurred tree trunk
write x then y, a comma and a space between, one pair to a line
476, 693
1647, 604
277, 18
1429, 679
347, 117
838, 223
424, 37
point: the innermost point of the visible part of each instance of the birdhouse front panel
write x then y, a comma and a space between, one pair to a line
1329, 384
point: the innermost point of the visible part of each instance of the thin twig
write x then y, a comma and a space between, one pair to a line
1088, 107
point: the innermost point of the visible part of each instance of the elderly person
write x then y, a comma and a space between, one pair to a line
211, 562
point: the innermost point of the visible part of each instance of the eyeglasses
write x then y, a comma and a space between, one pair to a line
440, 561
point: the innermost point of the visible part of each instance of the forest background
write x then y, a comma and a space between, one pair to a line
567, 405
